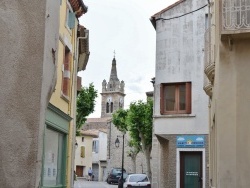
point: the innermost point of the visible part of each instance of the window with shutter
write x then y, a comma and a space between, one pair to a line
175, 98
95, 146
71, 19
66, 73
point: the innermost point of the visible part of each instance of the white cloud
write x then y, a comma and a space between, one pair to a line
181, 139
199, 139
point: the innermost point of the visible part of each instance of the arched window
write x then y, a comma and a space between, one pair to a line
111, 107
107, 107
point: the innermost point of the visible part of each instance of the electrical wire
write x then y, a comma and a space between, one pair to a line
181, 15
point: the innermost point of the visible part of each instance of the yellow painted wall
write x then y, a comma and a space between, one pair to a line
67, 38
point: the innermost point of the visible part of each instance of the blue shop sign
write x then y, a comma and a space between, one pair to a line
190, 141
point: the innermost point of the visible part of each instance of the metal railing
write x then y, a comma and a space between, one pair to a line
235, 15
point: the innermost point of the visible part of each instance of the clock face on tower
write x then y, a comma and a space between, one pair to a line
109, 99
121, 100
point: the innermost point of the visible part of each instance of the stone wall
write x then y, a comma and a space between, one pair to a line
115, 154
164, 161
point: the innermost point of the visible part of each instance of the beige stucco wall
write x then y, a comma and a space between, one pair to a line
229, 135
87, 160
28, 35
232, 121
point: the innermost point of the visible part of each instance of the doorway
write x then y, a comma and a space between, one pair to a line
79, 171
191, 169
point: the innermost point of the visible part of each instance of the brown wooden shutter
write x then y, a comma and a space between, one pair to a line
189, 97
162, 99
66, 79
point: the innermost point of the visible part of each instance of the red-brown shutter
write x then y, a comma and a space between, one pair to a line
66, 80
189, 97
162, 99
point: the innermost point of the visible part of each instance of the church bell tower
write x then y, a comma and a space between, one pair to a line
112, 93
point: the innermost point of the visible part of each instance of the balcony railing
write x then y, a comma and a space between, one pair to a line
209, 60
235, 15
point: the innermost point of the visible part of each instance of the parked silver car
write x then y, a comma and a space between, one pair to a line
137, 181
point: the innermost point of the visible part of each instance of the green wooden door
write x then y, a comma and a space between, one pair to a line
191, 169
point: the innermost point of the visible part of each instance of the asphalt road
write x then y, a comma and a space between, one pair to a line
92, 184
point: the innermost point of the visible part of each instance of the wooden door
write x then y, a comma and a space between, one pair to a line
191, 169
79, 171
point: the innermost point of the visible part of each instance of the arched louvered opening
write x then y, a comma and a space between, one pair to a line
107, 107
111, 107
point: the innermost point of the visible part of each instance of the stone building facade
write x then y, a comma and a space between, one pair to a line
113, 95
112, 99
180, 127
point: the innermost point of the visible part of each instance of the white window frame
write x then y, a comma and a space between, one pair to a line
68, 8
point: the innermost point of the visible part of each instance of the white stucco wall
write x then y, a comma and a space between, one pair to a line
179, 58
103, 146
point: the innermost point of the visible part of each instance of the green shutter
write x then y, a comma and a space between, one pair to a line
71, 20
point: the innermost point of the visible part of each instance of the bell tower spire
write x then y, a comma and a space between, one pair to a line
112, 92
113, 73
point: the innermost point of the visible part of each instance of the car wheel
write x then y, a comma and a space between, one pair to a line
109, 182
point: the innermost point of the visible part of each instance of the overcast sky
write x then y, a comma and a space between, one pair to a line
123, 26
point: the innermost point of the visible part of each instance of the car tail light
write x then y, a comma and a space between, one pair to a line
149, 186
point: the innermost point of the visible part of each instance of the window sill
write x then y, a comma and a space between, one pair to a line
69, 30
175, 116
64, 97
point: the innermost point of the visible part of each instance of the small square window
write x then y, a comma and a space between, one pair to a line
175, 98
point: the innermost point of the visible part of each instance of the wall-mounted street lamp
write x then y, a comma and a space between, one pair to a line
117, 143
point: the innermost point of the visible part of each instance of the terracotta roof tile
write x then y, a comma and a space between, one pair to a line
93, 132
78, 7
105, 119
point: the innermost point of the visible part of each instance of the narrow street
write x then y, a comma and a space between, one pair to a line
80, 183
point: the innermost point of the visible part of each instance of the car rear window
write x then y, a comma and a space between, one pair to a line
117, 171
138, 178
